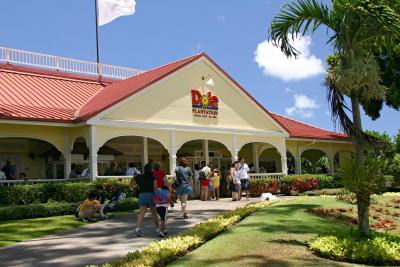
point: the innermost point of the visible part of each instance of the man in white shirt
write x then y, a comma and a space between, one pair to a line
244, 177
132, 171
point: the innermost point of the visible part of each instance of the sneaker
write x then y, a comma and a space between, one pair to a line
139, 232
161, 234
84, 220
165, 232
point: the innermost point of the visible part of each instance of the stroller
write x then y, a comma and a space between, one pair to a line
112, 204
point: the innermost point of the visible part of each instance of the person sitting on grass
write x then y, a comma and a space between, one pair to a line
89, 207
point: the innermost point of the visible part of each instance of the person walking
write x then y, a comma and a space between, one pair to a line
196, 182
244, 177
236, 180
146, 185
204, 177
183, 178
162, 197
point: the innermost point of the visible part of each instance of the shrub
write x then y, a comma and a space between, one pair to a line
63, 191
380, 248
53, 209
292, 183
160, 253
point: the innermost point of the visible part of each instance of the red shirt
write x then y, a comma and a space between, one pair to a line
205, 182
159, 174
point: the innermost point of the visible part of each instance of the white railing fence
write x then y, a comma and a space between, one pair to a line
267, 175
86, 179
39, 181
16, 56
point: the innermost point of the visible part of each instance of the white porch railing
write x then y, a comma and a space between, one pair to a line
38, 181
266, 175
114, 177
11, 55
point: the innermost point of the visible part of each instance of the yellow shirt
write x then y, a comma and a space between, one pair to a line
87, 204
216, 180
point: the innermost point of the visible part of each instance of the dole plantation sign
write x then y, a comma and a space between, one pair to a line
204, 105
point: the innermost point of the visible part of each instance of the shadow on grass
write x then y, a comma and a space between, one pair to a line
292, 242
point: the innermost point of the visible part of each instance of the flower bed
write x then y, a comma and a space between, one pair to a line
62, 192
292, 183
159, 253
380, 249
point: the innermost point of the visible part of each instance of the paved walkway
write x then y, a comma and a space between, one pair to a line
103, 241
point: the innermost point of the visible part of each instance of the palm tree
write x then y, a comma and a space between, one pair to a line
354, 28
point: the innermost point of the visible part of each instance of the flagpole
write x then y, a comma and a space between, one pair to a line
97, 38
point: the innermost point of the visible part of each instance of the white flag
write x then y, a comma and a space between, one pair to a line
112, 9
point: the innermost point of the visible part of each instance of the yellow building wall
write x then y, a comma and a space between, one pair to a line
170, 102
51, 134
104, 133
328, 147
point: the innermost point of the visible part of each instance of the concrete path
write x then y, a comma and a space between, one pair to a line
103, 241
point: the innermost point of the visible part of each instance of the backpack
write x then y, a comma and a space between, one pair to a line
202, 174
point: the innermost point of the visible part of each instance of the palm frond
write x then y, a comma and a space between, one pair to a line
301, 17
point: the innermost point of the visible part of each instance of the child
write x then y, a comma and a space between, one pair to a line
216, 182
101, 197
89, 207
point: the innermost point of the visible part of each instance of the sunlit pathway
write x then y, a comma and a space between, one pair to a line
103, 241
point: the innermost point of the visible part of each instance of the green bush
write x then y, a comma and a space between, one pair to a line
379, 249
160, 253
62, 191
257, 186
53, 208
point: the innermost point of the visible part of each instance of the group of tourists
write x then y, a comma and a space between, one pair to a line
238, 179
154, 193
154, 190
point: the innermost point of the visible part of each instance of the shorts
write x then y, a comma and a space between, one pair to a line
244, 184
184, 190
210, 187
162, 212
146, 199
233, 188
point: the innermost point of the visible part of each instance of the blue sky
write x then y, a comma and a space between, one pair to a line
163, 31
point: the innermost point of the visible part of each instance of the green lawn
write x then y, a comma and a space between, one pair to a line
15, 231
277, 236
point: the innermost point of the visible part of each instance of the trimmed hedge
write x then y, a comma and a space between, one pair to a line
379, 249
53, 209
160, 253
62, 191
293, 183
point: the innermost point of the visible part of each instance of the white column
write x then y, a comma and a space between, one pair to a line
298, 160
284, 162
93, 153
67, 155
172, 153
145, 152
235, 150
255, 157
332, 164
205, 152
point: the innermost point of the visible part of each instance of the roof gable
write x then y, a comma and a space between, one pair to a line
121, 90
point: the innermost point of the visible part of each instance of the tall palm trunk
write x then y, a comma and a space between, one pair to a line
363, 201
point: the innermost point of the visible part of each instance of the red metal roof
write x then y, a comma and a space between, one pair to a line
298, 129
42, 95
34, 94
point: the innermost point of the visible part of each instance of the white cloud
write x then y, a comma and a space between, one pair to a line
221, 18
275, 63
303, 106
